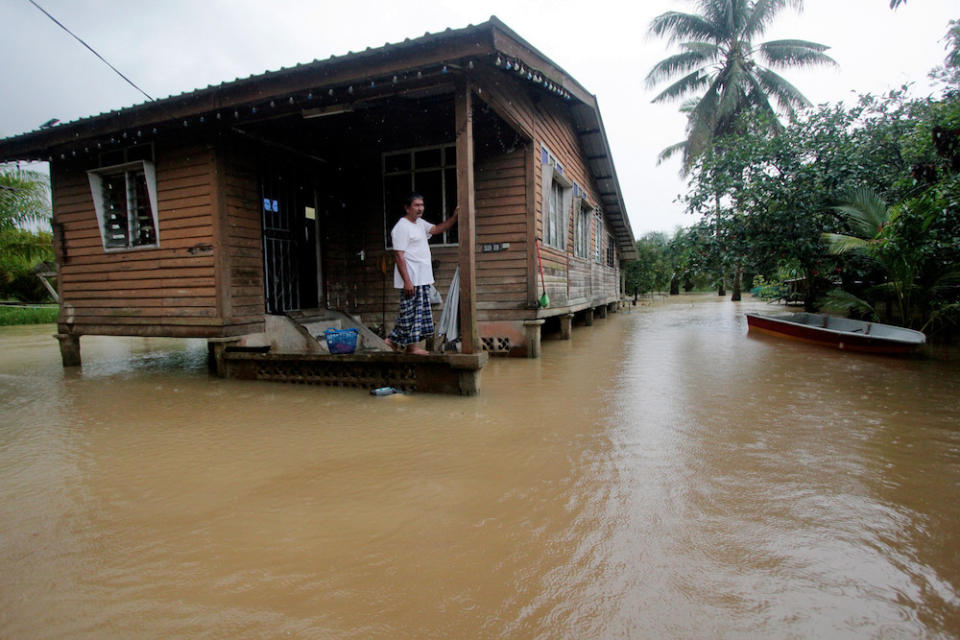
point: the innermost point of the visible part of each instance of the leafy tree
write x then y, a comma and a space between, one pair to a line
24, 197
724, 71
24, 202
652, 271
778, 191
21, 251
888, 237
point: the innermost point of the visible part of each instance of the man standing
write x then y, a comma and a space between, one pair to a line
414, 275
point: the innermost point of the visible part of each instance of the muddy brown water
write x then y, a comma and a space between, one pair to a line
665, 474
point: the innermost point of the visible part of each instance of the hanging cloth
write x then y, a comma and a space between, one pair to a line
450, 315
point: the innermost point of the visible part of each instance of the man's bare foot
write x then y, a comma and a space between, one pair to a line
417, 351
393, 345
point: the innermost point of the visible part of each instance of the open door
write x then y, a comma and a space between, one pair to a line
291, 252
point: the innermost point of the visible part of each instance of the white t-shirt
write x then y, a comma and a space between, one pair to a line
411, 238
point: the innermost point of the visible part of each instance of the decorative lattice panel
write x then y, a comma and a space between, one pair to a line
496, 344
358, 374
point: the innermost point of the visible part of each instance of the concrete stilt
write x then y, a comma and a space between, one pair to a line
532, 331
566, 326
602, 311
69, 349
469, 382
588, 317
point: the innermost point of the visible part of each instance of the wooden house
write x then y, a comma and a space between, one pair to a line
201, 214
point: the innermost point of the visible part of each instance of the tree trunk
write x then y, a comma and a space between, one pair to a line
810, 295
675, 285
737, 285
721, 288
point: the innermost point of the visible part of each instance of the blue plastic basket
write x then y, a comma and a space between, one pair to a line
341, 340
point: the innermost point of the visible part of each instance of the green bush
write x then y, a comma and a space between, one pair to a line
10, 315
766, 290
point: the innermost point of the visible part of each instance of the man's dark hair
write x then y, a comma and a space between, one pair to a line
410, 198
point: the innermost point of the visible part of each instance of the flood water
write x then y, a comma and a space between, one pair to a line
665, 474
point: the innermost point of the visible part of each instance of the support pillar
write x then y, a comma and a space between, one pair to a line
602, 311
532, 330
69, 349
566, 326
215, 350
469, 382
466, 232
588, 317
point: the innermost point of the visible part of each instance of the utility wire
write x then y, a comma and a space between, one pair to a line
102, 59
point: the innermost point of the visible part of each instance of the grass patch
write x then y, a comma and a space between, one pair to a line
10, 315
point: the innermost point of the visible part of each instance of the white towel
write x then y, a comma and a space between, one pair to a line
450, 314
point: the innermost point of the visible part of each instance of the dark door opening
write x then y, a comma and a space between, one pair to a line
290, 248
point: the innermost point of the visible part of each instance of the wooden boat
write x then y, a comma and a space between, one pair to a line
842, 333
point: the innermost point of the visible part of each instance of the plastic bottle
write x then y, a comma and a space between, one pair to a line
383, 391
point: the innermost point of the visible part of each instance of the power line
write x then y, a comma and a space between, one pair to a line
102, 59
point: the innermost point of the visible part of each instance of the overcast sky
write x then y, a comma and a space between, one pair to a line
168, 47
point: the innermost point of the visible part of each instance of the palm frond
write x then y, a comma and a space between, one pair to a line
947, 314
840, 301
838, 243
671, 151
680, 26
759, 99
788, 97
709, 50
688, 105
27, 248
893, 288
674, 66
865, 212
24, 197
794, 53
701, 124
764, 11
683, 87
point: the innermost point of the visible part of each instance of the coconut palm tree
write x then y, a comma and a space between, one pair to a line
721, 68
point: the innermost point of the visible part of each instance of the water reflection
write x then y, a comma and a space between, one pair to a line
664, 474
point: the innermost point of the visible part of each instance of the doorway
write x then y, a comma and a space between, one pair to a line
291, 251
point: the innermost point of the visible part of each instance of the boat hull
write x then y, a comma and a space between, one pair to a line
840, 333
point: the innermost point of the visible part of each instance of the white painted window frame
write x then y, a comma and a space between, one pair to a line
583, 214
598, 236
127, 169
556, 201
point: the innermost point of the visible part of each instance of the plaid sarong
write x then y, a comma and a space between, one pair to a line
414, 319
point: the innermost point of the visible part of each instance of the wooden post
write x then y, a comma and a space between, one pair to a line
588, 317
215, 350
466, 232
530, 158
69, 349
